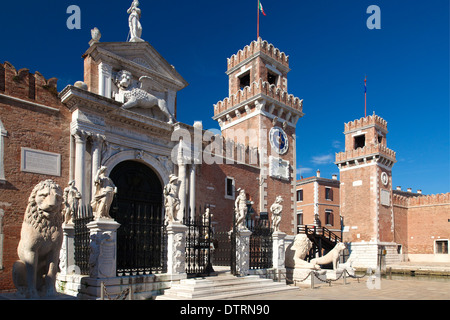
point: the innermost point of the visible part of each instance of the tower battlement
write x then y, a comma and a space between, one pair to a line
255, 47
366, 121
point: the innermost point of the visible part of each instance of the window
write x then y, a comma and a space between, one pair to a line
359, 141
299, 218
380, 138
229, 188
329, 220
244, 80
300, 195
442, 246
272, 78
328, 193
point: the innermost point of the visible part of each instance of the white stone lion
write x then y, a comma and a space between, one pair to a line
330, 257
297, 252
40, 243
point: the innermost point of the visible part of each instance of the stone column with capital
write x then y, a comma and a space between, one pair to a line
182, 179
97, 142
243, 252
80, 156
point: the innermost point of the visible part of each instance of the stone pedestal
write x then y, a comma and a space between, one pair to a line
278, 251
67, 253
243, 251
176, 246
103, 256
308, 277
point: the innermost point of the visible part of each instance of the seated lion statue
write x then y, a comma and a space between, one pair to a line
40, 242
297, 252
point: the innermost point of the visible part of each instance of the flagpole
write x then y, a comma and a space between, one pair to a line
365, 97
257, 29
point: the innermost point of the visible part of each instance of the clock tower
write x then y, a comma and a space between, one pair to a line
261, 115
366, 190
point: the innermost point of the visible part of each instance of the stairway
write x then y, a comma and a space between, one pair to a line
223, 286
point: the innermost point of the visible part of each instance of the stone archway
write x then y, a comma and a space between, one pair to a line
138, 207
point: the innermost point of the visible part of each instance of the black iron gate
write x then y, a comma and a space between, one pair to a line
82, 237
260, 244
198, 244
141, 237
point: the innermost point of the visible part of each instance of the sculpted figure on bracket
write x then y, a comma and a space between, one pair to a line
71, 198
40, 242
171, 200
276, 209
240, 209
139, 97
104, 195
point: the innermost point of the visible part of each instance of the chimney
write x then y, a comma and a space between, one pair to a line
419, 191
334, 177
409, 189
318, 173
399, 188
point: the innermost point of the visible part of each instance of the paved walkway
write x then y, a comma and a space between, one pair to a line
383, 289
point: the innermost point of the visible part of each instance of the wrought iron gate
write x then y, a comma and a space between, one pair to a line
260, 244
198, 244
82, 237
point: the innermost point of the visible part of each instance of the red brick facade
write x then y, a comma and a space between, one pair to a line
34, 118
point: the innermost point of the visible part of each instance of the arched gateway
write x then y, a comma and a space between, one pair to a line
138, 207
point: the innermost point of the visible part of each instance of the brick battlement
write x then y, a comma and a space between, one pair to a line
365, 121
258, 87
254, 47
367, 150
25, 85
425, 200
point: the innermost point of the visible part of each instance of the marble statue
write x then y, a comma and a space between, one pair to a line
71, 198
330, 257
297, 252
134, 23
138, 97
276, 208
40, 242
171, 200
104, 194
240, 209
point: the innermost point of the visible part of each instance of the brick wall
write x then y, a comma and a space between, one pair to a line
32, 126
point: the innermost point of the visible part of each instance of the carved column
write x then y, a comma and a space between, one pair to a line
97, 142
80, 158
176, 246
243, 251
192, 189
103, 247
278, 251
104, 79
182, 178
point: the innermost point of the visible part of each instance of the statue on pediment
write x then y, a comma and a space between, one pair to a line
134, 23
139, 97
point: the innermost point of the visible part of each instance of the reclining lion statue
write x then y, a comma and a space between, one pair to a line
40, 242
330, 257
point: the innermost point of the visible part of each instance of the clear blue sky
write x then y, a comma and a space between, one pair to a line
330, 48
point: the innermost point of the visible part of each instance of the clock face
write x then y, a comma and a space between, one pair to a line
278, 140
384, 178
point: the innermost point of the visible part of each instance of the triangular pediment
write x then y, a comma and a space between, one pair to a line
141, 59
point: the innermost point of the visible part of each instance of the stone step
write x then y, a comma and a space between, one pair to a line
222, 287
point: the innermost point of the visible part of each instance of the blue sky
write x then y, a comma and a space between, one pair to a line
330, 48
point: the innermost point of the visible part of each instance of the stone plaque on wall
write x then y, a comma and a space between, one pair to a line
38, 161
385, 197
278, 168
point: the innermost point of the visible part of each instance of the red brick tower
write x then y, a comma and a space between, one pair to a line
261, 115
366, 189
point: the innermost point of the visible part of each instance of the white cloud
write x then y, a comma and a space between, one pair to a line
324, 159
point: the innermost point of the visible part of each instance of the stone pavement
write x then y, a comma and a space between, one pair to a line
384, 289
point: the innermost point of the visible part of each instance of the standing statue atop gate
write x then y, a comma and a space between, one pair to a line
134, 23
240, 209
171, 200
71, 198
104, 195
276, 209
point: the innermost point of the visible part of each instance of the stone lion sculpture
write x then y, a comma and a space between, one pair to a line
138, 97
40, 242
330, 257
297, 252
